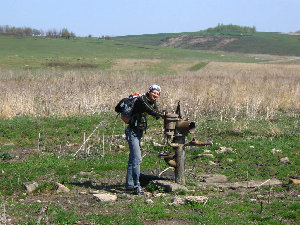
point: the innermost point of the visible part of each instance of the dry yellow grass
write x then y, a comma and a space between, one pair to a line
223, 88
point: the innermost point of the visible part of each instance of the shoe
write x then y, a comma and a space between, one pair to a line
129, 188
139, 191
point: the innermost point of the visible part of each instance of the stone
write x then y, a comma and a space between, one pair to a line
253, 200
9, 145
122, 147
86, 173
60, 188
5, 218
169, 186
30, 187
260, 196
211, 163
294, 181
285, 160
149, 201
207, 151
105, 197
200, 199
188, 199
223, 150
230, 160
159, 195
157, 144
274, 151
244, 184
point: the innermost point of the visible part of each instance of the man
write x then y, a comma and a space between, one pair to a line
145, 104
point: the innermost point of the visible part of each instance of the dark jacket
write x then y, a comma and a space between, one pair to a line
142, 107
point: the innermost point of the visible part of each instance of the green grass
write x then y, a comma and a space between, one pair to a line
24, 131
39, 52
266, 43
251, 139
197, 66
255, 43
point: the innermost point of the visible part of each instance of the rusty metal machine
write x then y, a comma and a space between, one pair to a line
176, 130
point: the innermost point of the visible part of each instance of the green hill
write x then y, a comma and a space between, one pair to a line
254, 43
39, 52
171, 48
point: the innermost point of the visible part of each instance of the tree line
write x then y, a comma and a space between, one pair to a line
232, 28
27, 31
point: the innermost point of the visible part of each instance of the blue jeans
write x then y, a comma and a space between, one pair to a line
133, 138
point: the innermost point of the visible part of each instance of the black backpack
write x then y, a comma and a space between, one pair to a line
125, 107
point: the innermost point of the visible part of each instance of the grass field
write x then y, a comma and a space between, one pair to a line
54, 93
39, 52
255, 43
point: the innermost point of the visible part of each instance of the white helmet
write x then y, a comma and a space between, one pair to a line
154, 87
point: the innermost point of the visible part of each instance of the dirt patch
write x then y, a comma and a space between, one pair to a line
72, 65
196, 41
224, 42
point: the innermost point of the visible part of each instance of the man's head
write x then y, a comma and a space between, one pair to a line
154, 92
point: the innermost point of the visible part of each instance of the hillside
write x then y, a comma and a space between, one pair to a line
253, 43
40, 52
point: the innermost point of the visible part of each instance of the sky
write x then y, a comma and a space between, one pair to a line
134, 17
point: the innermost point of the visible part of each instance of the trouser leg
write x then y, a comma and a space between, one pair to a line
135, 158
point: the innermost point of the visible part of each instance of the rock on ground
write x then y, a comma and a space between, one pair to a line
30, 187
60, 188
149, 201
169, 186
214, 178
223, 150
294, 181
105, 197
187, 199
274, 151
285, 160
205, 155
244, 184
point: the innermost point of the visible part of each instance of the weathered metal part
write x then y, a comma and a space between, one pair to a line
179, 169
179, 111
169, 158
176, 130
195, 142
185, 127
170, 121
170, 125
167, 155
171, 162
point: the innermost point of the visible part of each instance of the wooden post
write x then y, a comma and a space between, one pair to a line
38, 144
179, 169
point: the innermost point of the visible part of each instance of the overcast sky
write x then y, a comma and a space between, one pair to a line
126, 17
